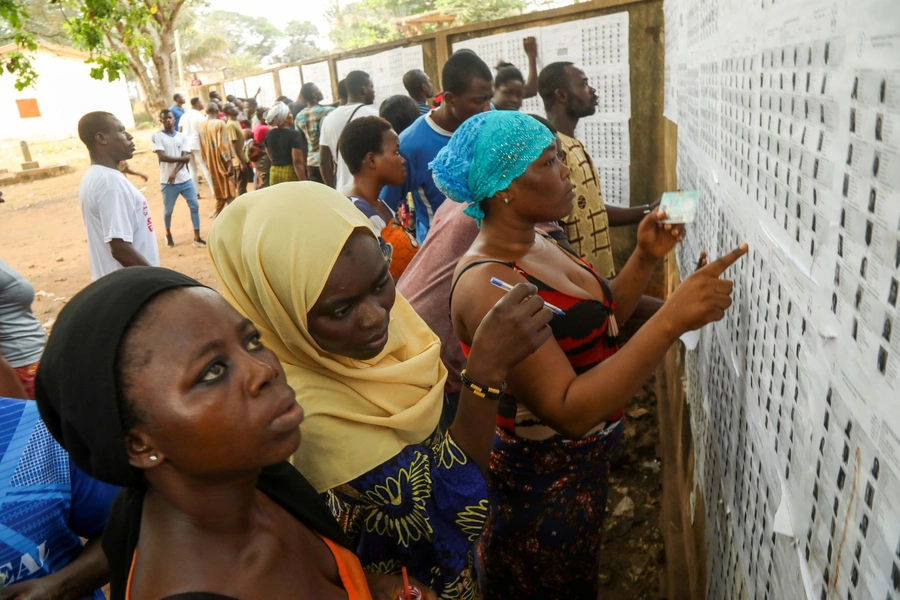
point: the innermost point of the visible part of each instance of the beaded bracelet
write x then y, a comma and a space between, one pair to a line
482, 391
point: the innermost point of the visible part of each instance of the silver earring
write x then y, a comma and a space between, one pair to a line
153, 457
506, 200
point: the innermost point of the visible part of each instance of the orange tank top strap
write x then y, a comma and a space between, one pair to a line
130, 576
350, 570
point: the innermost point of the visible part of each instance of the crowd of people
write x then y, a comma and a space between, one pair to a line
395, 396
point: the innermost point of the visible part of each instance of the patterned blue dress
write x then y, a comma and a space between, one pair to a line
422, 509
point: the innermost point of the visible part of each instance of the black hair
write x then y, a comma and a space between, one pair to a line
400, 111
503, 65
413, 80
553, 77
195, 101
261, 114
545, 123
284, 99
460, 69
93, 123
230, 97
360, 137
356, 80
164, 112
306, 92
507, 74
252, 104
342, 89
175, 97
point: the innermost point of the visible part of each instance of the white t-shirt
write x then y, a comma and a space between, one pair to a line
332, 127
188, 124
113, 208
171, 145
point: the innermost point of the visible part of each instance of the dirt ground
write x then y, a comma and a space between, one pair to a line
42, 236
633, 558
42, 233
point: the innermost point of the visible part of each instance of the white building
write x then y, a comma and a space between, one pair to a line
64, 91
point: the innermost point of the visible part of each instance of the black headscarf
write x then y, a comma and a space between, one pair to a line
75, 387
76, 394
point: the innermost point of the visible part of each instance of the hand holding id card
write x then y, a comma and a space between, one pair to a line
680, 207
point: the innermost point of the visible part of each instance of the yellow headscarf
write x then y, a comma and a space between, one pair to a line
273, 251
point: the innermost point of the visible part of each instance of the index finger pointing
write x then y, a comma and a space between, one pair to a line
721, 264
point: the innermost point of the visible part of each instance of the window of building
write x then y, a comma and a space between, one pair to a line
28, 108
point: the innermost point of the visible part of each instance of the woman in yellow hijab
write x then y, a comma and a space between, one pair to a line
303, 264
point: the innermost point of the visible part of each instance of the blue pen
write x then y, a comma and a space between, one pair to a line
505, 286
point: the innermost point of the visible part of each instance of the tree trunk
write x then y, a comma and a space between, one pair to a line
155, 76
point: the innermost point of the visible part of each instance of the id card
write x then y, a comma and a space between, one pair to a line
680, 207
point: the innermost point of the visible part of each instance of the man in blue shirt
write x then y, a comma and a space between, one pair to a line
468, 89
46, 505
177, 109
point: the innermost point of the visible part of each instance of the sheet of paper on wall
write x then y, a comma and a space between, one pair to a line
604, 40
671, 10
266, 83
605, 140
251, 84
615, 183
289, 79
789, 127
561, 43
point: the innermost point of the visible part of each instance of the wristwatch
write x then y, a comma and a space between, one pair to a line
647, 210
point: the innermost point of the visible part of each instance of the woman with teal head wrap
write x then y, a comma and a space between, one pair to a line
561, 420
486, 154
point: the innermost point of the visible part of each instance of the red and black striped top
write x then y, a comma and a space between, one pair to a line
583, 334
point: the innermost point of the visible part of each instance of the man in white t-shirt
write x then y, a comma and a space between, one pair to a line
361, 95
174, 154
188, 125
116, 215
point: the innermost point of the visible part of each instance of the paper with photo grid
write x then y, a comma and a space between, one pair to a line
599, 45
788, 117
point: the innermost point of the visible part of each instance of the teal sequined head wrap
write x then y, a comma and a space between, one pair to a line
486, 154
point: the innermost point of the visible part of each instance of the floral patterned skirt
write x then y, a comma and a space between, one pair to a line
422, 509
26, 375
547, 501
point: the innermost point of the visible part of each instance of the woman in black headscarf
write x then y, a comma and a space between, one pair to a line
154, 383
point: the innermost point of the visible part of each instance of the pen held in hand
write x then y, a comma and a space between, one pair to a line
508, 288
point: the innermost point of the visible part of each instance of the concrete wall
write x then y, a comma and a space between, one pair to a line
64, 92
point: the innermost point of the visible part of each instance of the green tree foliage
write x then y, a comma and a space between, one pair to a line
469, 11
12, 29
229, 41
362, 23
365, 22
135, 36
301, 41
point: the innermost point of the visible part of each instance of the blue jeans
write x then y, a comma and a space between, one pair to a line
170, 195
